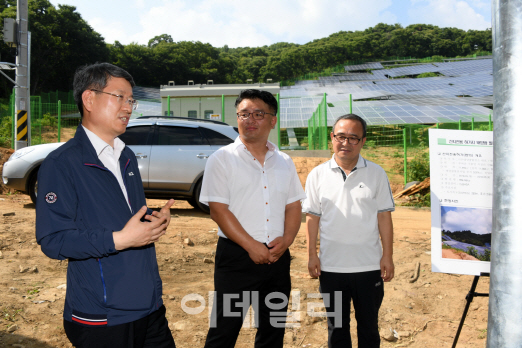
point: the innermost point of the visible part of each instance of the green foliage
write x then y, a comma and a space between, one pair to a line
469, 237
61, 41
419, 167
49, 121
6, 131
427, 74
482, 257
370, 143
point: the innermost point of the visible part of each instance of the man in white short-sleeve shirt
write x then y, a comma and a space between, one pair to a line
349, 200
254, 194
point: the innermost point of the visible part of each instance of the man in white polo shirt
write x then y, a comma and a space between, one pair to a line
254, 194
349, 200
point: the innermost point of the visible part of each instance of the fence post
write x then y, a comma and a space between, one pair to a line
351, 104
168, 105
460, 124
59, 119
278, 123
490, 126
325, 133
223, 108
437, 125
473, 123
13, 122
405, 156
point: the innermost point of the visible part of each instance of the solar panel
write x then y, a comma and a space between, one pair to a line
366, 66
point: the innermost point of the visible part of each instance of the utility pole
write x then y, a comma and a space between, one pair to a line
22, 98
505, 289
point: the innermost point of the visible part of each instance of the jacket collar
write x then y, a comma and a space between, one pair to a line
89, 153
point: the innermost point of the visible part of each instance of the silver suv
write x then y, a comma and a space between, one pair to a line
171, 153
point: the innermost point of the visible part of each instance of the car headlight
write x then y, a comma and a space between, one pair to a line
19, 153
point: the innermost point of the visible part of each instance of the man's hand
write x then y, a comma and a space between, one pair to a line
259, 253
137, 233
277, 247
165, 211
314, 266
387, 268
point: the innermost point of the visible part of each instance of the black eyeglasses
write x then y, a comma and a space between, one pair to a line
351, 140
132, 102
258, 115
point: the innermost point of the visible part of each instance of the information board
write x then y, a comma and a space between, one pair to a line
461, 180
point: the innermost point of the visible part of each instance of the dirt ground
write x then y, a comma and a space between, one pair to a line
424, 313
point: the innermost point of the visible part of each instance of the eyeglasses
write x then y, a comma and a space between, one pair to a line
351, 140
258, 115
132, 102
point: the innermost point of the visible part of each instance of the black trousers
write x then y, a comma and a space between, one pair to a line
150, 331
367, 291
239, 283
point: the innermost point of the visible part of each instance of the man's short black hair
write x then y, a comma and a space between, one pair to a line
96, 76
265, 96
353, 117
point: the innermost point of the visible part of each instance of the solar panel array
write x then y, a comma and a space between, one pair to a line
462, 93
366, 66
145, 93
296, 112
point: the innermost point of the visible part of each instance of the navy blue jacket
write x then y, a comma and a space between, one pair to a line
79, 205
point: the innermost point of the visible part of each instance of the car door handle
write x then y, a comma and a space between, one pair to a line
140, 155
202, 155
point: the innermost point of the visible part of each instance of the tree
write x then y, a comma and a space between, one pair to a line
158, 39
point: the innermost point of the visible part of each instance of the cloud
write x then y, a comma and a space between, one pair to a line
240, 24
471, 14
111, 31
476, 220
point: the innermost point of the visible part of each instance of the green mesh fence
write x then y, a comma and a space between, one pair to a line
294, 138
53, 122
53, 97
318, 128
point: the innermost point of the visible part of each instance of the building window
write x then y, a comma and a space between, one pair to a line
193, 114
208, 113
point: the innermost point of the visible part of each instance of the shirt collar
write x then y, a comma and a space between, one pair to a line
100, 145
271, 146
361, 163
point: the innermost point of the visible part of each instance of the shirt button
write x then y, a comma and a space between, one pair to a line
265, 186
266, 219
266, 203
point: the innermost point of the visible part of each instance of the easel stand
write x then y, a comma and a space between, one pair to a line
469, 298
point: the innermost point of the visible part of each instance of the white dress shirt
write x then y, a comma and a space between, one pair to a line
257, 194
110, 157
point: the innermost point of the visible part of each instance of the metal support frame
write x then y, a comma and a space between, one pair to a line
469, 298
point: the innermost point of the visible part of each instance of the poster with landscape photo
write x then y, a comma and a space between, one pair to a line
461, 172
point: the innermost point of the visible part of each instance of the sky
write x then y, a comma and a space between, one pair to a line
461, 219
257, 23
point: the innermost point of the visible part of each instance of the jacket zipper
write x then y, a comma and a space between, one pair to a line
125, 183
103, 282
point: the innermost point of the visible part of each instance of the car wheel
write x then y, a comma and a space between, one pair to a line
32, 187
195, 199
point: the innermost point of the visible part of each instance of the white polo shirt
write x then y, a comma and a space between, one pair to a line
348, 209
256, 194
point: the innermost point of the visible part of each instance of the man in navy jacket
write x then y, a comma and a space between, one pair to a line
91, 210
